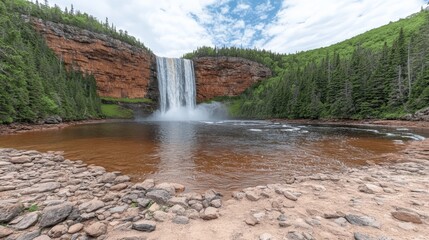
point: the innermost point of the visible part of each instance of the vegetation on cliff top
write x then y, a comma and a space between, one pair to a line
382, 73
34, 84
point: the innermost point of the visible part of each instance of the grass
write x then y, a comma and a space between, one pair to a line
126, 100
33, 208
115, 111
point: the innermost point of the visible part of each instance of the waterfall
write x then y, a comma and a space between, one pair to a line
176, 83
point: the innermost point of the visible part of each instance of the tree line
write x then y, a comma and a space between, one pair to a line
34, 83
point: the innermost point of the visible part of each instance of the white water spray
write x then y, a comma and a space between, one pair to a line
176, 83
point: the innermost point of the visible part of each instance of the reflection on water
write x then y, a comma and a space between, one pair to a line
225, 155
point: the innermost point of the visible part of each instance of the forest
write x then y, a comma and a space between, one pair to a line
34, 83
383, 73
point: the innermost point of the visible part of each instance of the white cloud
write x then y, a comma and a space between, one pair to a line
172, 28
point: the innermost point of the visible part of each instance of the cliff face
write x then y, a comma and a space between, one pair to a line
226, 76
121, 70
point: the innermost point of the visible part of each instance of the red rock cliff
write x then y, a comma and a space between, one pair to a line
121, 70
226, 76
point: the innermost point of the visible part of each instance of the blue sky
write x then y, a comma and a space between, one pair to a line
171, 27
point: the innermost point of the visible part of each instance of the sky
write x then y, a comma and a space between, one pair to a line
171, 28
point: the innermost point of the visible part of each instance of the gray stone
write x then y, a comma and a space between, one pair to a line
143, 202
192, 214
96, 229
177, 209
20, 159
293, 235
118, 209
266, 236
122, 179
57, 231
75, 228
144, 226
251, 220
238, 195
166, 187
160, 216
252, 196
362, 221
107, 178
9, 212
211, 194
197, 206
181, 220
148, 184
5, 231
282, 217
42, 187
341, 221
55, 119
361, 236
27, 221
159, 196
91, 206
55, 214
29, 236
370, 188
178, 200
217, 203
209, 213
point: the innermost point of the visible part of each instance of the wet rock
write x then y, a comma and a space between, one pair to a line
29, 236
20, 160
266, 236
75, 228
370, 188
57, 231
42, 187
159, 196
91, 206
5, 231
27, 221
144, 226
55, 214
181, 220
252, 196
362, 220
9, 212
178, 201
407, 217
96, 229
209, 213
160, 216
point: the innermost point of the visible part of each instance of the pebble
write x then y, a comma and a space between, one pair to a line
209, 213
407, 217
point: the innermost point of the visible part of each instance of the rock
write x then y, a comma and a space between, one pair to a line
293, 235
362, 220
178, 201
159, 196
166, 187
181, 220
370, 188
96, 229
5, 231
266, 236
91, 206
118, 187
55, 214
252, 196
333, 215
407, 217
7, 188
144, 226
9, 212
160, 216
29, 236
27, 221
238, 195
282, 217
251, 220
122, 179
192, 214
55, 119
209, 213
75, 228
143, 202
147, 184
360, 236
154, 207
107, 178
20, 160
211, 194
341, 221
118, 209
217, 203
42, 187
177, 209
290, 195
57, 231
42, 237
178, 187
284, 224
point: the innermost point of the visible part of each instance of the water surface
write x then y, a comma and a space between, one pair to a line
224, 155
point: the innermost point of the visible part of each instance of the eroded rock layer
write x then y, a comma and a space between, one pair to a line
226, 76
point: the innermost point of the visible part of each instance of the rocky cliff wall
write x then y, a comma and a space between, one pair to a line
121, 70
226, 76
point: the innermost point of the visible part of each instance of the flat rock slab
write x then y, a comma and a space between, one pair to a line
144, 226
9, 212
91, 206
5, 231
407, 217
362, 221
55, 214
20, 159
42, 187
27, 221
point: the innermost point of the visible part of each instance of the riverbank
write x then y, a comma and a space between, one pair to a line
366, 122
16, 128
45, 195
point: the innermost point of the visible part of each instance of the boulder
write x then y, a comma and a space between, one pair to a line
27, 221
55, 214
159, 196
9, 212
55, 119
96, 229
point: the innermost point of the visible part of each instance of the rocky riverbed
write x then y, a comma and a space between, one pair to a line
44, 196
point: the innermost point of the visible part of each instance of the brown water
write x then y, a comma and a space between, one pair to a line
226, 155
